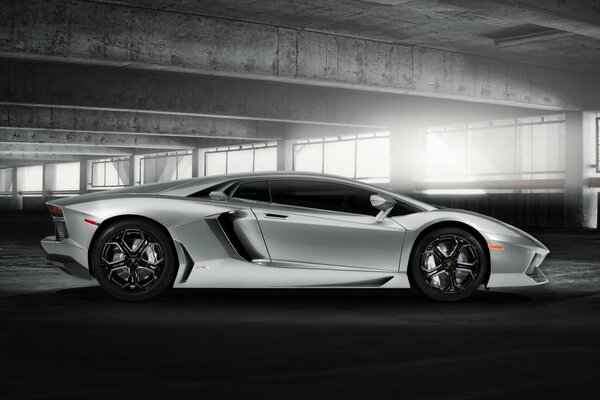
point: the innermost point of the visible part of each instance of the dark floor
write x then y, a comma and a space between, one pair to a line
61, 339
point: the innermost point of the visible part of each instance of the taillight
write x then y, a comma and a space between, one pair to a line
55, 211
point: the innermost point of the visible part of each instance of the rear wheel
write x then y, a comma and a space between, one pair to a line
133, 260
448, 264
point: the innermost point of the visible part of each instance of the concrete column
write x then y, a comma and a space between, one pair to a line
404, 148
131, 171
281, 155
574, 178
47, 177
590, 195
195, 163
83, 176
16, 200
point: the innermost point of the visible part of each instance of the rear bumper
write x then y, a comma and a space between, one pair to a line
67, 255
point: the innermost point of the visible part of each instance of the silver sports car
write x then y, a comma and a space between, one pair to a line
284, 230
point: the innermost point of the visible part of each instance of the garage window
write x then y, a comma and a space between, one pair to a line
63, 178
351, 156
165, 167
29, 179
236, 159
521, 148
109, 173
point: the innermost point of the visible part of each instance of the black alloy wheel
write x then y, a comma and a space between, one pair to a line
133, 260
448, 264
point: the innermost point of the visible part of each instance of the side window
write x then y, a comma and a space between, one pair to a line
322, 195
256, 191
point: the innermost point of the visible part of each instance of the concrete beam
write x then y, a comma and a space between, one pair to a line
23, 148
49, 136
17, 163
127, 37
103, 120
79, 86
298, 131
19, 159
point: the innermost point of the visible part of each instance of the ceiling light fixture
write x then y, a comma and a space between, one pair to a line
531, 38
525, 35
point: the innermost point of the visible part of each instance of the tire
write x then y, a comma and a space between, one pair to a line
448, 264
133, 260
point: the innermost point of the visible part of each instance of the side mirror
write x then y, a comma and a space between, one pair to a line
384, 205
218, 196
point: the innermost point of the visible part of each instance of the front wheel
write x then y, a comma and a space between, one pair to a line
133, 260
448, 264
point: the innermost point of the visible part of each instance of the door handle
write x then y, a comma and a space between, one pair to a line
279, 216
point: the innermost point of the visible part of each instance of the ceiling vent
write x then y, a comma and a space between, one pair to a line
523, 35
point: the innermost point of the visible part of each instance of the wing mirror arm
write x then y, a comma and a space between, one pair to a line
384, 205
382, 215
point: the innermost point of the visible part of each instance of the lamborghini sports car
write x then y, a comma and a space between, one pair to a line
283, 230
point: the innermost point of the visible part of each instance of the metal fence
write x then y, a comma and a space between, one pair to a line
532, 146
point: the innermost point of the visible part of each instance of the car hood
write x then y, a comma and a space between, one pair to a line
497, 221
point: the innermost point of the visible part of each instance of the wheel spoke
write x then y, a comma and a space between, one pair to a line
123, 245
436, 250
467, 272
435, 271
467, 264
142, 246
114, 268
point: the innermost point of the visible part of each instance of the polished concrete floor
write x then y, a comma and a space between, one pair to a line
64, 338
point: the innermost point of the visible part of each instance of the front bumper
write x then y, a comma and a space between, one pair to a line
67, 255
518, 264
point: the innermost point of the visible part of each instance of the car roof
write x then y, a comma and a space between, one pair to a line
195, 185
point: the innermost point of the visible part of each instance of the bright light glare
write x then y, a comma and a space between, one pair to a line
445, 154
373, 158
339, 158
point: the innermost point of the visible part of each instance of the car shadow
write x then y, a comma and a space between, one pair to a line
295, 296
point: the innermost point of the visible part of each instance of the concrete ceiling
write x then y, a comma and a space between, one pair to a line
457, 25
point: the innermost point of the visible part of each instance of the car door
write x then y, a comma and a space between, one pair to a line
327, 225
